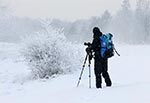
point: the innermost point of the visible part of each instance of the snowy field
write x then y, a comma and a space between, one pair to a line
130, 74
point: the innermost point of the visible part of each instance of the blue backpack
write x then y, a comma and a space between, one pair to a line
106, 44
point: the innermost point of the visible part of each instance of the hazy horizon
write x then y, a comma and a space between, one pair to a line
65, 9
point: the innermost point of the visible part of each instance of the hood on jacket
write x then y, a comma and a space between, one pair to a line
97, 33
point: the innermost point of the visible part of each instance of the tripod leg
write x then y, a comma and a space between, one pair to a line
82, 70
89, 73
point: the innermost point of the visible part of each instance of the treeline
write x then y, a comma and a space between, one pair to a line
127, 25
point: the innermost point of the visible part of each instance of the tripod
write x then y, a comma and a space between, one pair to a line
87, 56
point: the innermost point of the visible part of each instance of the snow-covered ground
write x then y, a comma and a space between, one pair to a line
130, 75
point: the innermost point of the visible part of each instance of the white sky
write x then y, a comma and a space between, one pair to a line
64, 9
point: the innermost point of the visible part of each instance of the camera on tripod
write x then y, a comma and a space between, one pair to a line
89, 50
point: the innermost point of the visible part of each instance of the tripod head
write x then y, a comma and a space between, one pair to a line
88, 50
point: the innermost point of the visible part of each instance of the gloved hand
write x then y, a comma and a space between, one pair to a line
88, 50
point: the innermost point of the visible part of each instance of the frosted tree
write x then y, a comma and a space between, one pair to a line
122, 23
4, 10
78, 30
105, 21
12, 28
49, 53
142, 16
94, 21
74, 30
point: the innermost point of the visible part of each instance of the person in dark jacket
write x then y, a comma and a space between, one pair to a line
100, 64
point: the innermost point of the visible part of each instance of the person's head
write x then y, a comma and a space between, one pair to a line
96, 31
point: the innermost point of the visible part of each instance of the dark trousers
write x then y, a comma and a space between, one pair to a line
101, 69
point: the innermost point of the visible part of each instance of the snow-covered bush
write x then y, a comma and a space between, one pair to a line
49, 53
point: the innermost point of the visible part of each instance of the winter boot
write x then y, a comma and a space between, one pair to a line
108, 83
